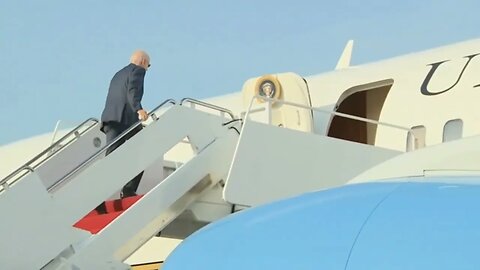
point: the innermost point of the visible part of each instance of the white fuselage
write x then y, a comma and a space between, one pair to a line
430, 94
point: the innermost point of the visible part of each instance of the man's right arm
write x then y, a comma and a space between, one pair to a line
135, 92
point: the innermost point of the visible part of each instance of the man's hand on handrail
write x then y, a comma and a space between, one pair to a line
142, 115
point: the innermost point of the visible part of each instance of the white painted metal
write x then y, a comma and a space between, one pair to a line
211, 206
57, 125
70, 157
74, 197
158, 207
111, 173
265, 168
14, 155
152, 175
293, 89
410, 146
405, 106
458, 157
32, 227
62, 156
268, 110
314, 161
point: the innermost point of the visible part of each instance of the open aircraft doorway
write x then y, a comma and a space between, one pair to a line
364, 101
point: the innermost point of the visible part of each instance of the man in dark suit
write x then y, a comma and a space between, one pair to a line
123, 108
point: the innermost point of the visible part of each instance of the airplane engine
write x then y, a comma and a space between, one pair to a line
414, 223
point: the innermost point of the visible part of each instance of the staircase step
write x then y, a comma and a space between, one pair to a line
95, 222
121, 204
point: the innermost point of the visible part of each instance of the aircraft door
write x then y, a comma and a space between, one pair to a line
283, 87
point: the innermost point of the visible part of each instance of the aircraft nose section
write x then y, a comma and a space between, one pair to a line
320, 226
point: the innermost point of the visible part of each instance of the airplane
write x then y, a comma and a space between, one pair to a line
414, 223
281, 135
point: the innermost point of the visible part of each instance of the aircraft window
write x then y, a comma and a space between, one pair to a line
419, 132
453, 130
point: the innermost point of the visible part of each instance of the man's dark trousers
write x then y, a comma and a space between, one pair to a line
112, 130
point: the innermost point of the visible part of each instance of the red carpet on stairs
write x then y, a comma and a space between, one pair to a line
94, 222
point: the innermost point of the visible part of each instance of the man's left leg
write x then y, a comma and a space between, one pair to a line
112, 130
130, 189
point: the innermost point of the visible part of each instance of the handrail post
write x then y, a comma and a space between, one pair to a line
56, 146
100, 152
268, 110
4, 183
55, 131
194, 102
411, 144
410, 141
5, 186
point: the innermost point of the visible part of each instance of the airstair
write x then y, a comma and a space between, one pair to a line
285, 162
60, 207
58, 189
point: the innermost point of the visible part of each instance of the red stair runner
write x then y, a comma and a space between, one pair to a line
95, 222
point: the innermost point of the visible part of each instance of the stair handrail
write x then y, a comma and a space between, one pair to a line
5, 185
208, 105
55, 147
270, 101
104, 149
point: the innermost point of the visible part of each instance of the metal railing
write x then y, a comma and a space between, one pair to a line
208, 105
57, 125
268, 104
105, 148
55, 147
5, 185
153, 112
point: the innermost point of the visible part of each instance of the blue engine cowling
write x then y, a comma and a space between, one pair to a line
427, 224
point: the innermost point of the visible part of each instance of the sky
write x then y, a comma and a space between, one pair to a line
57, 57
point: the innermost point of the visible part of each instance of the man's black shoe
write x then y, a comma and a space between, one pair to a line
101, 208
